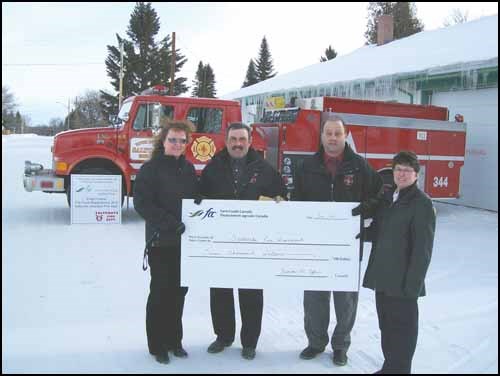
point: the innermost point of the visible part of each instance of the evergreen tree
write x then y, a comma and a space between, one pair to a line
110, 101
145, 63
251, 76
330, 54
264, 63
18, 123
406, 22
199, 81
204, 83
165, 59
210, 77
143, 27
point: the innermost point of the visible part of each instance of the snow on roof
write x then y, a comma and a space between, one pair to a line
474, 41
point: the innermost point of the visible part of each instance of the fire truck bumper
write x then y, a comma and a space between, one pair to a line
38, 179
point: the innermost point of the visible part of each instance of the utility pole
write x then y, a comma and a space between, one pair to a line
69, 113
120, 97
172, 66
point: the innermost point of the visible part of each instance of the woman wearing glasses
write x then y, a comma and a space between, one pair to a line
403, 235
161, 184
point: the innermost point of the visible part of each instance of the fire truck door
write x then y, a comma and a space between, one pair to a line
271, 136
147, 120
209, 137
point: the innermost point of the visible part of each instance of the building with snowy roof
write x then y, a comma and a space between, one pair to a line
454, 67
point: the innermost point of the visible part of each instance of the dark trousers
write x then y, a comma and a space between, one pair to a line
223, 317
398, 322
165, 300
317, 318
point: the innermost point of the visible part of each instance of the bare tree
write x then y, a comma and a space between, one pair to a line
56, 125
456, 17
8, 101
88, 111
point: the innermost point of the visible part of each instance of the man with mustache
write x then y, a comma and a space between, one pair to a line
238, 172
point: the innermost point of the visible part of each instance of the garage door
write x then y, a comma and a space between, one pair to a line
479, 177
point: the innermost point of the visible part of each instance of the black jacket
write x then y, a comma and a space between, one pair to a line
403, 236
259, 179
160, 185
355, 180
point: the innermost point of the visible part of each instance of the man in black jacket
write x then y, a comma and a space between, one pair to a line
403, 235
238, 172
161, 184
334, 173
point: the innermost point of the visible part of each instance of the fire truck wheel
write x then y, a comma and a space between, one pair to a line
89, 171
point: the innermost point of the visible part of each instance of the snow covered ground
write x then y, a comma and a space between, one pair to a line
74, 296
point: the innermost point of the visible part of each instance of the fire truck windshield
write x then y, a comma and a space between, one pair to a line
124, 111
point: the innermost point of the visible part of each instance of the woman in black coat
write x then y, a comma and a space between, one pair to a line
403, 235
160, 186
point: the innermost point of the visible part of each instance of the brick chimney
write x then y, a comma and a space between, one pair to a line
385, 29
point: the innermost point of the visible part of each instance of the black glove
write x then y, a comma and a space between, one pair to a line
367, 208
198, 199
368, 234
181, 227
357, 211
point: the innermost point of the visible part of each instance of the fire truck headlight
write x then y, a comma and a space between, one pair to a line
61, 166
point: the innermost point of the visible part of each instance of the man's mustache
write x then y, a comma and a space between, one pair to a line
237, 147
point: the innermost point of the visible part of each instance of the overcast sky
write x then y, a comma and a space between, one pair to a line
52, 52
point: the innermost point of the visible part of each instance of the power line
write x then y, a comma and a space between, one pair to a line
48, 64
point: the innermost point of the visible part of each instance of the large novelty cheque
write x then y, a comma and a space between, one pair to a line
264, 244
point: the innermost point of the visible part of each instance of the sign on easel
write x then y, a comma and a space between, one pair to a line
96, 199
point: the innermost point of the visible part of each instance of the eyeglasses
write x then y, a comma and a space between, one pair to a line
173, 140
404, 170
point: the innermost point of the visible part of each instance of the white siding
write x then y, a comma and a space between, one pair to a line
479, 177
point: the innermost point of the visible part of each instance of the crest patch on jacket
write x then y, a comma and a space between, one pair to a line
349, 180
253, 180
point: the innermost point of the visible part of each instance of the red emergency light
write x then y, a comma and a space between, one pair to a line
156, 89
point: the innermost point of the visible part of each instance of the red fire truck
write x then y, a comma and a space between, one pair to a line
376, 130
